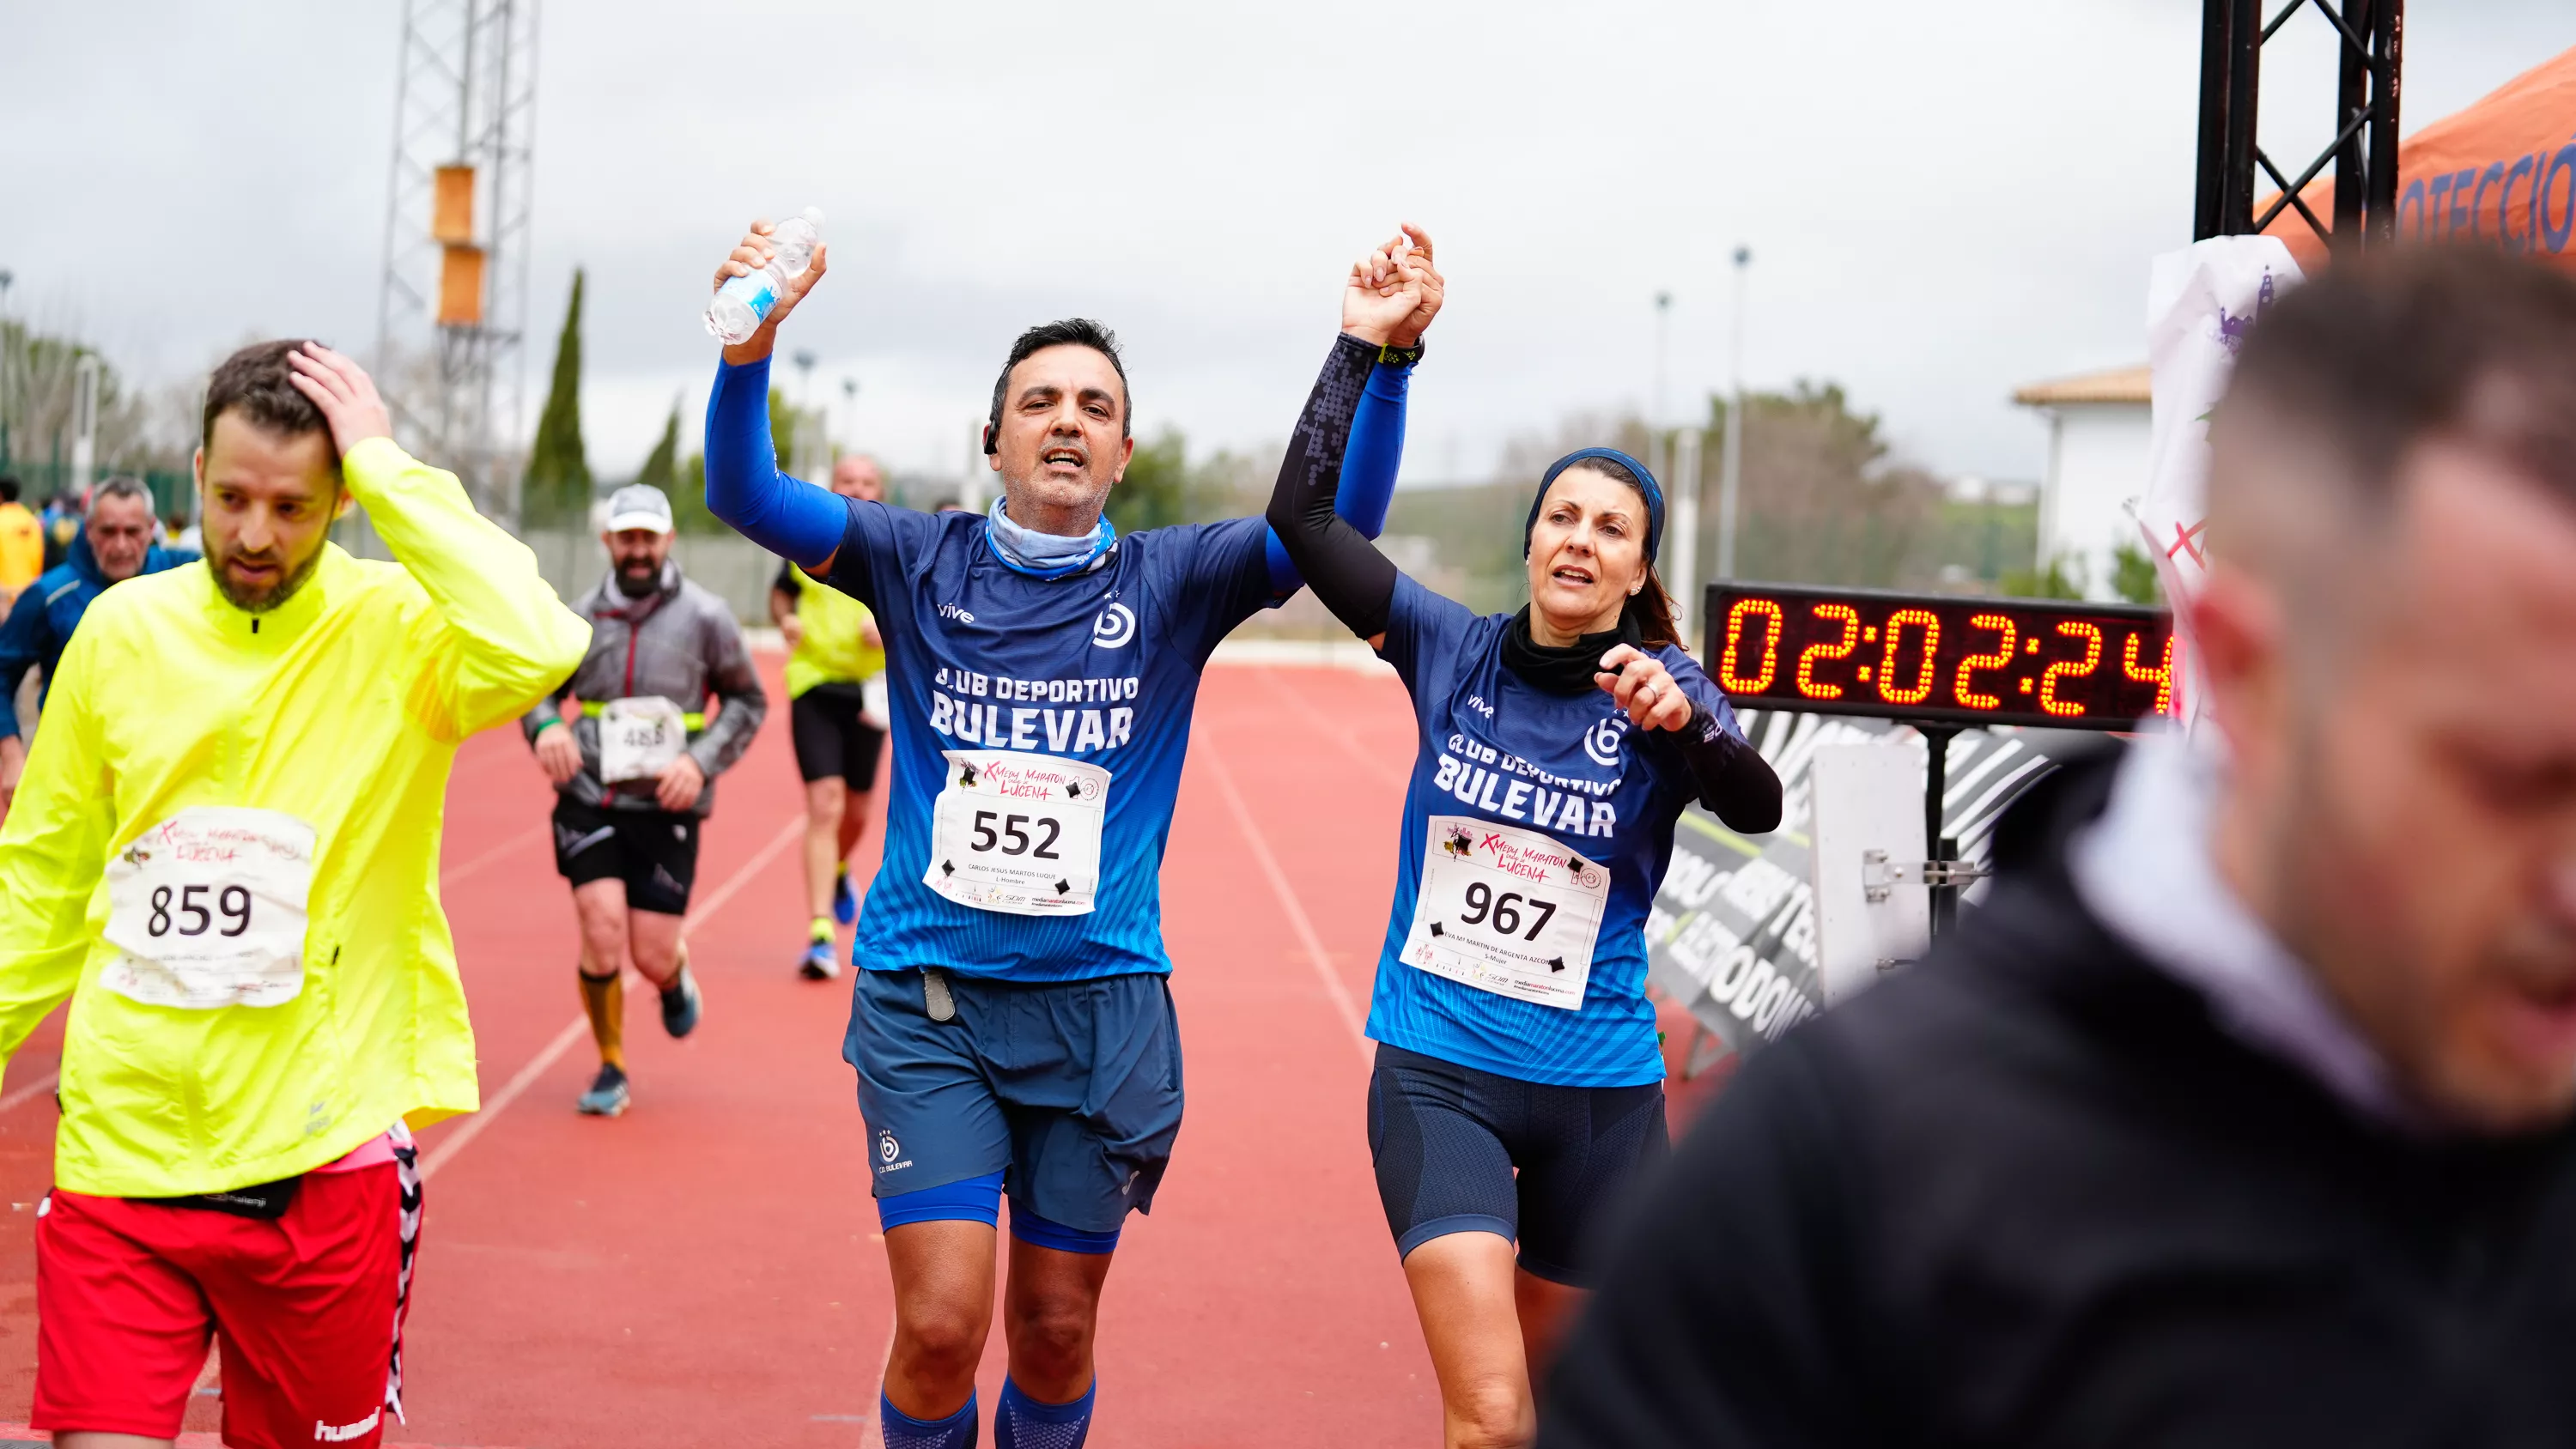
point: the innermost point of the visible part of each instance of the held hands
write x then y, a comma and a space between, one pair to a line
1393, 292
750, 255
558, 754
344, 393
678, 787
1644, 688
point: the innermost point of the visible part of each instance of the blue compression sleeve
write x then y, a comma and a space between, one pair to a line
903, 1431
1028, 1227
1021, 1422
1369, 466
789, 517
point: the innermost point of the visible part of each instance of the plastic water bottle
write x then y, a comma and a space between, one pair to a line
743, 303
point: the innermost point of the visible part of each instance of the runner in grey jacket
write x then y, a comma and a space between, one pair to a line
634, 771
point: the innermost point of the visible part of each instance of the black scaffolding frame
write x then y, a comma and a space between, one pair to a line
2370, 42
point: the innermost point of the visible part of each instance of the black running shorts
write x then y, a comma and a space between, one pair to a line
654, 851
1446, 1139
832, 741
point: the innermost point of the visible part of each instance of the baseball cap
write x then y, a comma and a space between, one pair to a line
638, 505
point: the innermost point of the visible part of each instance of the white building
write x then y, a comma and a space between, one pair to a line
2097, 463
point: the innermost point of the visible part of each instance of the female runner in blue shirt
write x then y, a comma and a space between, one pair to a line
1558, 747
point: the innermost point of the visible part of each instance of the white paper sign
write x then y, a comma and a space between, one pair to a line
2202, 301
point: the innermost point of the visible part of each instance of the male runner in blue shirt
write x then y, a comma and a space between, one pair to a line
1011, 1028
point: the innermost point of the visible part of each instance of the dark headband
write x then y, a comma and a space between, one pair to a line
1654, 494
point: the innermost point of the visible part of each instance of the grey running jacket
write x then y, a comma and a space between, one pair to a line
679, 642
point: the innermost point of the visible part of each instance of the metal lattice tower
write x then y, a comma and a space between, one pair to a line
2369, 50
452, 312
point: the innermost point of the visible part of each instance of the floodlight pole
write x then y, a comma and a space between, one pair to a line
1730, 484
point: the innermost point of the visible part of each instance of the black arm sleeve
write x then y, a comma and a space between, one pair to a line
1735, 782
1338, 562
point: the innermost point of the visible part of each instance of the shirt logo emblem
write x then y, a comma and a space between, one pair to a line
1601, 741
1115, 626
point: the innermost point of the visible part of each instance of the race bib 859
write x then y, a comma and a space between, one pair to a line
207, 909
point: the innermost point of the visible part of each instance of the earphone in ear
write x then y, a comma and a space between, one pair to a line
990, 447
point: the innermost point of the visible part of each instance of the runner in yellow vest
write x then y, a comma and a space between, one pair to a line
836, 712
224, 852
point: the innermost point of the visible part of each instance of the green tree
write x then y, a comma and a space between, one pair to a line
661, 466
2062, 579
557, 485
1158, 488
2133, 576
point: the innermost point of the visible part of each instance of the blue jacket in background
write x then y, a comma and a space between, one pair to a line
49, 610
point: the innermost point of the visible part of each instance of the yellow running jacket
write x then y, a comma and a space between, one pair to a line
201, 774
835, 648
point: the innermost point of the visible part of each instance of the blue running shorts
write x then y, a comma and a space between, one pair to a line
1447, 1139
1071, 1090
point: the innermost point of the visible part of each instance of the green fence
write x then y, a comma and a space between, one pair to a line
40, 479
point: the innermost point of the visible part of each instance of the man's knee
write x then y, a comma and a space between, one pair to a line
1052, 1334
941, 1338
1492, 1412
824, 800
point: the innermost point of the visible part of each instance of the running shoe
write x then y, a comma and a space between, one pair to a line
822, 959
680, 1004
845, 906
607, 1096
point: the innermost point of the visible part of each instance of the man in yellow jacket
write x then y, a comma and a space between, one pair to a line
836, 712
224, 851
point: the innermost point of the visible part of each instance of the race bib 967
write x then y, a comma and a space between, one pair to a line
207, 909
1508, 911
1018, 831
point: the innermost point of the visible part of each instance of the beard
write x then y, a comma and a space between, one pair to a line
261, 600
638, 581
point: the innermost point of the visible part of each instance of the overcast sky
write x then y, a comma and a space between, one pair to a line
1944, 200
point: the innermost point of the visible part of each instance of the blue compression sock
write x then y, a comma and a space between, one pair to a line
1020, 1422
957, 1431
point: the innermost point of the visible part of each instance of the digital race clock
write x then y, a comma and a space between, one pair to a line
1940, 658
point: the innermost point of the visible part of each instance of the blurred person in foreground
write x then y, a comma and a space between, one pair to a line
2245, 1117
115, 544
837, 716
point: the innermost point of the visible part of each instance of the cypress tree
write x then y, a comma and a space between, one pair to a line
558, 480
661, 466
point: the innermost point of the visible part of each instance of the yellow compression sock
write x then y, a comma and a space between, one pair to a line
603, 1000
824, 930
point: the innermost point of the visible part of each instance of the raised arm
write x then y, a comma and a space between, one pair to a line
787, 516
507, 638
1321, 520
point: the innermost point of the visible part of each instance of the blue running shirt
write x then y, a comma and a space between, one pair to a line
1029, 716
1529, 815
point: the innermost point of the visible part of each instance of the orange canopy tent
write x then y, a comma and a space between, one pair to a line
2502, 172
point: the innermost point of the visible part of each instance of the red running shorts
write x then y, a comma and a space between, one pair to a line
309, 1307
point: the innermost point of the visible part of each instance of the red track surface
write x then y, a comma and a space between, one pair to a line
707, 1270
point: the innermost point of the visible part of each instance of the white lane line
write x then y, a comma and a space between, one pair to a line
1288, 901
521, 841
30, 1092
872, 1432
579, 1026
